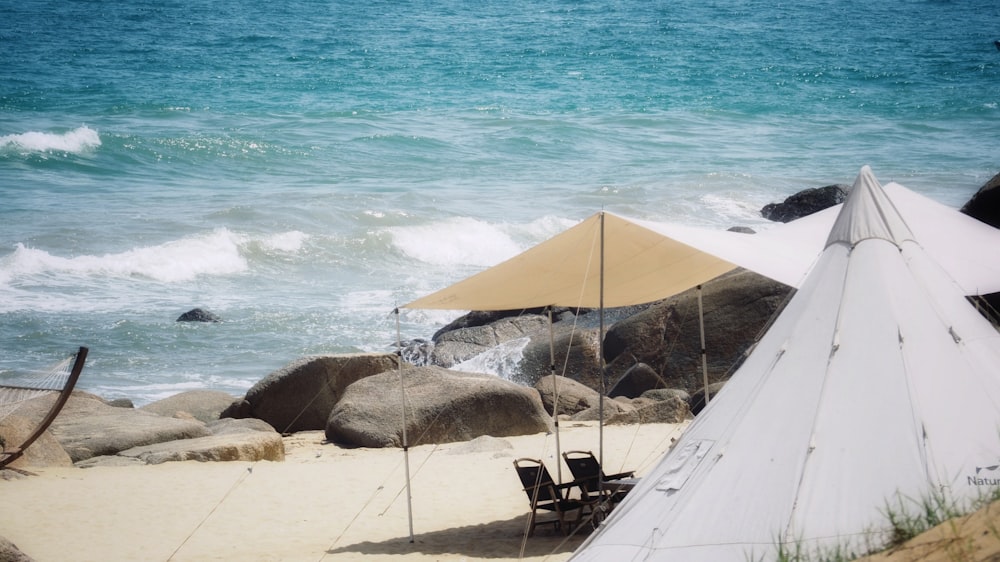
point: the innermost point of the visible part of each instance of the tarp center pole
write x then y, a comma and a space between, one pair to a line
600, 358
704, 354
555, 394
406, 446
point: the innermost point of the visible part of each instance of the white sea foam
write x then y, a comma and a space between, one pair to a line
456, 241
76, 141
289, 242
729, 210
214, 253
503, 360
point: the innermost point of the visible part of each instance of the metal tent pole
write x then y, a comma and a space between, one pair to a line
600, 352
406, 446
555, 395
704, 355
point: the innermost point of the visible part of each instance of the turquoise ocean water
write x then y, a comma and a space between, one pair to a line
301, 167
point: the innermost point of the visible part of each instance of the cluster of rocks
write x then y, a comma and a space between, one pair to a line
91, 431
653, 373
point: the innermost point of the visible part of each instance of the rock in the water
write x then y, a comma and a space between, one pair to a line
985, 204
198, 315
442, 407
300, 396
805, 202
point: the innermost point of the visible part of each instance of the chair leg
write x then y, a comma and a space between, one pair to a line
573, 524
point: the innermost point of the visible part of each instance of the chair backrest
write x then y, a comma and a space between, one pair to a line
536, 480
584, 466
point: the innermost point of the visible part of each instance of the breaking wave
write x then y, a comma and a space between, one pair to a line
77, 141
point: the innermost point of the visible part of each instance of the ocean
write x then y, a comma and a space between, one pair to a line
301, 168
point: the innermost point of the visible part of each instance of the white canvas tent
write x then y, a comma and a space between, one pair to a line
878, 381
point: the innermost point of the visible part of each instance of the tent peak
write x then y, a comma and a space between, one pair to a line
868, 213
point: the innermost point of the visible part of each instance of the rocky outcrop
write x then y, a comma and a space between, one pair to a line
673, 409
660, 406
88, 427
666, 336
300, 396
442, 407
985, 204
805, 202
457, 345
611, 407
230, 440
478, 318
202, 405
574, 397
10, 553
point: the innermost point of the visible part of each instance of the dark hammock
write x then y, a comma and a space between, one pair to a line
60, 380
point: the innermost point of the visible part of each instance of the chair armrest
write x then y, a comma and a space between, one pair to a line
571, 484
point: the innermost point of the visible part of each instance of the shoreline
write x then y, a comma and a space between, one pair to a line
323, 502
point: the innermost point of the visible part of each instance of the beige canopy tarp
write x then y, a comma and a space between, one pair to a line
640, 265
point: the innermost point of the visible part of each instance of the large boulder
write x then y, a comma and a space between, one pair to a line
88, 427
454, 346
202, 405
477, 318
697, 400
805, 202
666, 336
231, 440
442, 407
636, 380
300, 396
573, 396
577, 349
45, 451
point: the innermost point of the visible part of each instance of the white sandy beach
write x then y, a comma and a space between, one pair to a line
324, 502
